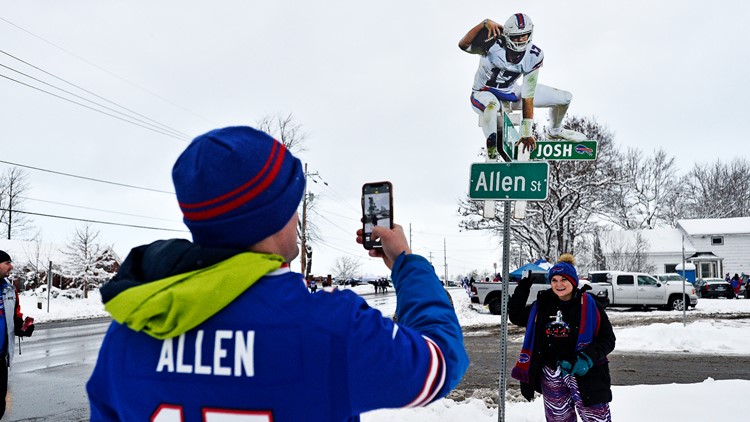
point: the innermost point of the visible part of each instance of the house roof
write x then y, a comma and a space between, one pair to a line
716, 226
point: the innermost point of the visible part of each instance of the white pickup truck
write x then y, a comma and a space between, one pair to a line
491, 293
641, 289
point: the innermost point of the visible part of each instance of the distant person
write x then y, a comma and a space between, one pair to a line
736, 284
313, 285
564, 352
13, 324
220, 327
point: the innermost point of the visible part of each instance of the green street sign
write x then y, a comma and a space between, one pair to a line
509, 181
564, 150
510, 136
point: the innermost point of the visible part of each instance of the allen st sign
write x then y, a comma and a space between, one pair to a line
509, 181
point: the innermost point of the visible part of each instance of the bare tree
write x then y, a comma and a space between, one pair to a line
347, 267
626, 254
89, 263
13, 186
38, 257
646, 194
286, 130
718, 190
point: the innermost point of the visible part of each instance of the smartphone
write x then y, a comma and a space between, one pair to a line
377, 210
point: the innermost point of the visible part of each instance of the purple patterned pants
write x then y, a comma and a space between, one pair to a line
562, 399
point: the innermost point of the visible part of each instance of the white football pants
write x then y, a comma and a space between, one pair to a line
545, 96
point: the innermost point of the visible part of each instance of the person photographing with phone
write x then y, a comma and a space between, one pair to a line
14, 324
222, 326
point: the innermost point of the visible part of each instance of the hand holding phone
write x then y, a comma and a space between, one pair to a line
377, 210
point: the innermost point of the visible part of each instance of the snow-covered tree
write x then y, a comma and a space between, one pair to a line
347, 267
89, 263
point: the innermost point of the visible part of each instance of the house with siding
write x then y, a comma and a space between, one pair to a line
722, 245
714, 245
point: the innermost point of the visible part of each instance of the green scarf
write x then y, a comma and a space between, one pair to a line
171, 306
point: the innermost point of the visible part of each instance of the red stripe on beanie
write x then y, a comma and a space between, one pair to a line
266, 176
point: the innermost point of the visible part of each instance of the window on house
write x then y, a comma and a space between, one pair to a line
670, 268
717, 240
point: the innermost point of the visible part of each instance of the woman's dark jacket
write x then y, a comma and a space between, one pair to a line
595, 385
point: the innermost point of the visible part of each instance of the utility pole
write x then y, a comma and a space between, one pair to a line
303, 224
303, 230
445, 261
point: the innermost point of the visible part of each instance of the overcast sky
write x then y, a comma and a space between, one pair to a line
380, 88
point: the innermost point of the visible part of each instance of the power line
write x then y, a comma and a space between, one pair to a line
95, 221
86, 178
93, 109
97, 209
157, 124
106, 71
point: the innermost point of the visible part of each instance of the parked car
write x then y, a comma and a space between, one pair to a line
714, 288
640, 289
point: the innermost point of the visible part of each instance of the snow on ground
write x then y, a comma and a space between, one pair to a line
705, 333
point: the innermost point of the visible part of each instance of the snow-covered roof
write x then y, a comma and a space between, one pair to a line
716, 226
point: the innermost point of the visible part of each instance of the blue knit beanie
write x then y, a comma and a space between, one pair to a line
236, 186
565, 268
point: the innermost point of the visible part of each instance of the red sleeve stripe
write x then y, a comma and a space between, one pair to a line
435, 376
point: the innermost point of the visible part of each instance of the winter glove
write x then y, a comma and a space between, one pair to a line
525, 283
27, 332
24, 328
580, 367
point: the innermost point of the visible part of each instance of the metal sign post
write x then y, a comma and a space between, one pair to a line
504, 313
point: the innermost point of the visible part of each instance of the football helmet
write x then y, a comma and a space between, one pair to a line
514, 30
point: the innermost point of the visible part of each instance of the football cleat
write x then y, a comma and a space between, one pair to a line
492, 146
567, 134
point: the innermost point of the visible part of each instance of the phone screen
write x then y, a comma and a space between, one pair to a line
377, 210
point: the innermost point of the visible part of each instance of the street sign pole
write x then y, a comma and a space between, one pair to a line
504, 313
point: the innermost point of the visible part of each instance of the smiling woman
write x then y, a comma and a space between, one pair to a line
564, 352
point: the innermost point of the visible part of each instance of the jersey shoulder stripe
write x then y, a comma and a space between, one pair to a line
435, 376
